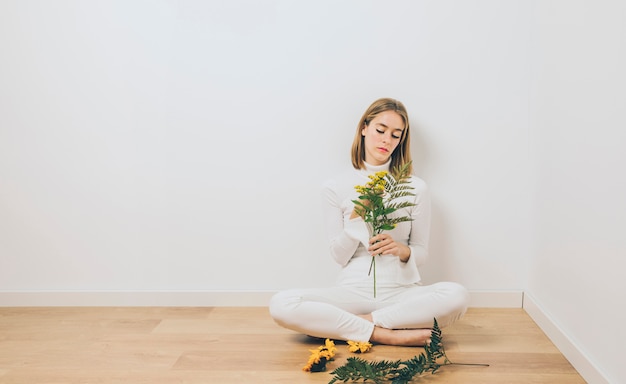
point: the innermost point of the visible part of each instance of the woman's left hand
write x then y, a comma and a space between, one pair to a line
384, 244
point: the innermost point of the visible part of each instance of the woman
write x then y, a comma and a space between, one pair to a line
402, 311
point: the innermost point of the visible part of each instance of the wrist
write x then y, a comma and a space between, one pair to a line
406, 255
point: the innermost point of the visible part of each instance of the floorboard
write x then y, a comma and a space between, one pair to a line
226, 345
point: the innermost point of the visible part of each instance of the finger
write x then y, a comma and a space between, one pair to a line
377, 248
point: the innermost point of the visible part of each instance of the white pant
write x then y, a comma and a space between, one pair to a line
331, 312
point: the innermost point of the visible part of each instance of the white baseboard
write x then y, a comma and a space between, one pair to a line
568, 348
494, 299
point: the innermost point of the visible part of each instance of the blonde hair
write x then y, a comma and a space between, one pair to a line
402, 154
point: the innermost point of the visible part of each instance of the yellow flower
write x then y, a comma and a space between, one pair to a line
379, 198
359, 346
320, 356
330, 346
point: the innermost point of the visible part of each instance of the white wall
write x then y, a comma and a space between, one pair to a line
180, 145
578, 132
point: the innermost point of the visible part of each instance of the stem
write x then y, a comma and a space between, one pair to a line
374, 262
472, 364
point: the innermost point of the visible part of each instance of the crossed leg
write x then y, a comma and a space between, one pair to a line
403, 337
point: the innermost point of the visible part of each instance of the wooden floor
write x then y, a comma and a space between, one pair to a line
243, 345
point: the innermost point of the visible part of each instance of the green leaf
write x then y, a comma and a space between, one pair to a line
398, 371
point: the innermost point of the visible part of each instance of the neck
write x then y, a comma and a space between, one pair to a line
377, 168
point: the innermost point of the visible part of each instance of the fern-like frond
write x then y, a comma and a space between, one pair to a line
397, 220
399, 193
397, 372
402, 171
357, 369
404, 188
402, 204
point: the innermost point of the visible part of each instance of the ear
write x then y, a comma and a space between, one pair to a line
363, 129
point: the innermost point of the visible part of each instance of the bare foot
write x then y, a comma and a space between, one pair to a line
401, 337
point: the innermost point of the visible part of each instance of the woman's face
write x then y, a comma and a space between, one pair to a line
382, 136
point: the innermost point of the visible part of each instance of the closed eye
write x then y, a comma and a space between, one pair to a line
394, 135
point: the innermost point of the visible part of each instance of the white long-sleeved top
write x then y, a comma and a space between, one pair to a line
348, 239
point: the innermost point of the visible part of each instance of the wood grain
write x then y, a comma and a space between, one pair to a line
225, 345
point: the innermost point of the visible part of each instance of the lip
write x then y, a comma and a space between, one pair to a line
385, 150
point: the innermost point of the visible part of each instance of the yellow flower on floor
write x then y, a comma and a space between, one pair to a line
330, 346
320, 356
359, 346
